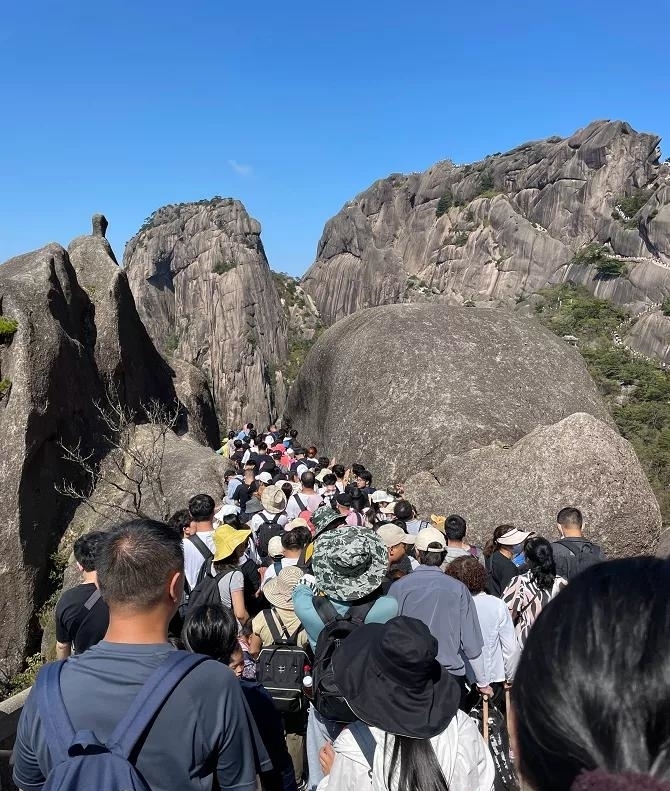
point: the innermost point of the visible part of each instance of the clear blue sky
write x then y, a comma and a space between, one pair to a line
293, 107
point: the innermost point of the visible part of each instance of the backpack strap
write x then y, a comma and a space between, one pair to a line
325, 610
303, 507
200, 545
151, 697
565, 542
92, 600
277, 566
53, 714
359, 612
272, 626
365, 740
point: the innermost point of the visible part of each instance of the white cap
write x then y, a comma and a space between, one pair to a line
264, 477
430, 540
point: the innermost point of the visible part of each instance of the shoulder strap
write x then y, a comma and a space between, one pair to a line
564, 543
359, 612
302, 505
287, 636
272, 626
92, 599
277, 566
200, 545
365, 740
153, 694
53, 714
324, 609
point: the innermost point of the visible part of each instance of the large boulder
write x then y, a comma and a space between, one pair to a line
400, 387
579, 461
49, 383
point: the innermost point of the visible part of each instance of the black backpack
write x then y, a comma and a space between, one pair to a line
327, 698
282, 666
583, 555
207, 555
207, 590
266, 531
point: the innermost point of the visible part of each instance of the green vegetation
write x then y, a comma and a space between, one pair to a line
460, 239
598, 256
298, 349
665, 306
630, 205
175, 208
445, 203
286, 286
636, 389
5, 386
7, 328
221, 267
11, 685
171, 342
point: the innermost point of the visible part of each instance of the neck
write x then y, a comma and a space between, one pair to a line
453, 543
506, 552
307, 491
574, 533
138, 628
88, 577
203, 527
292, 553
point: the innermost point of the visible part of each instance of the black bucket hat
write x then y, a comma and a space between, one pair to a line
389, 676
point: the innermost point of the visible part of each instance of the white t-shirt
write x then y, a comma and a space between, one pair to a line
307, 502
271, 573
257, 520
193, 558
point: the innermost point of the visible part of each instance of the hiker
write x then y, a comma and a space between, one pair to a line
501, 651
454, 529
378, 500
246, 489
410, 733
364, 482
447, 609
498, 554
200, 544
298, 466
232, 480
590, 697
184, 736
307, 499
268, 522
339, 472
528, 593
211, 630
328, 488
274, 625
181, 523
349, 566
81, 615
405, 511
343, 503
396, 541
572, 552
294, 544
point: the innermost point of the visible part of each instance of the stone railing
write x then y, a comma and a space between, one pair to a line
10, 711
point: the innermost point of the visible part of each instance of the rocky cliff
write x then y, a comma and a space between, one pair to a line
206, 294
593, 208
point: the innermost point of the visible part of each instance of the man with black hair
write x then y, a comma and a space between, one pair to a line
294, 542
406, 512
572, 552
81, 614
298, 465
454, 529
446, 607
339, 472
199, 546
364, 482
202, 729
306, 499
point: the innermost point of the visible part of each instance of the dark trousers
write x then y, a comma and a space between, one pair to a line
465, 692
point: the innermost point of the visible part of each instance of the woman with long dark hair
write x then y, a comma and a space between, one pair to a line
498, 554
528, 593
410, 734
591, 698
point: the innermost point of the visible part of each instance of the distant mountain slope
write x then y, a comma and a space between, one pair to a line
593, 208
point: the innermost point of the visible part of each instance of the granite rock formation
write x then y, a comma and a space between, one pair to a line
577, 461
399, 387
494, 232
206, 294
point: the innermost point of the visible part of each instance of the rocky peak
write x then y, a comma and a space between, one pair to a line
495, 231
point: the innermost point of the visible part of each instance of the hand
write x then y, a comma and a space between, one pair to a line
309, 581
508, 685
326, 758
485, 692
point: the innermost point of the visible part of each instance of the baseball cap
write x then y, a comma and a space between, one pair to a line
264, 477
430, 540
392, 535
380, 496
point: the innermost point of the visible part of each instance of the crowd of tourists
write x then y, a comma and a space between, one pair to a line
306, 629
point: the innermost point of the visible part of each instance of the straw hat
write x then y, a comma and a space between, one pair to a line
273, 499
279, 590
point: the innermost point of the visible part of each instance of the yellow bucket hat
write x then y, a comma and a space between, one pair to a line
226, 540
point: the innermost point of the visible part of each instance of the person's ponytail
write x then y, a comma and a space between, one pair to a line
540, 558
416, 765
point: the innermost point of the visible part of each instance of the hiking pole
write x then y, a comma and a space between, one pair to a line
508, 704
485, 718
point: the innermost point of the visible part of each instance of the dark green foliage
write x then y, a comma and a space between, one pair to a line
445, 203
171, 342
636, 389
460, 239
486, 182
597, 255
298, 349
175, 208
5, 387
221, 267
665, 306
7, 328
286, 286
630, 205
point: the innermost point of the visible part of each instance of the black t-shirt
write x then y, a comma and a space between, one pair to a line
77, 625
501, 572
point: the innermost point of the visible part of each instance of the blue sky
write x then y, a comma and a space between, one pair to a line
293, 107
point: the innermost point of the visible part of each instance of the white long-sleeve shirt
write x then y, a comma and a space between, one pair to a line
463, 756
500, 654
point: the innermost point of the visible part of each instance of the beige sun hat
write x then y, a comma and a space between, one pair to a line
273, 499
279, 590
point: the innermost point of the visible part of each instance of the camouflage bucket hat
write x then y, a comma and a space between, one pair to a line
349, 563
323, 518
